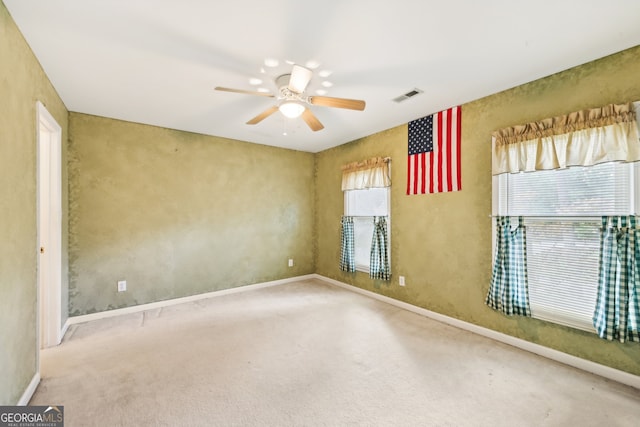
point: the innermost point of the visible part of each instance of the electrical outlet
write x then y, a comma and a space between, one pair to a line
290, 262
122, 285
401, 280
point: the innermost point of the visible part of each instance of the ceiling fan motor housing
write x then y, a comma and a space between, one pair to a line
282, 81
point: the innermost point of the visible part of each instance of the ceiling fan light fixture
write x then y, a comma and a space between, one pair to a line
291, 109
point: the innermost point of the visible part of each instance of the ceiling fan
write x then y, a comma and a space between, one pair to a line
292, 99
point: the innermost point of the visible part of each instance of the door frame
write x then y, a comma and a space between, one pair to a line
49, 234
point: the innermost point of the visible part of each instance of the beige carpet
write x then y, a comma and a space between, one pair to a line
310, 354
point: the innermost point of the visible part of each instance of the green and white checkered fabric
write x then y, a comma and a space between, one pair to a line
509, 288
347, 251
379, 260
617, 313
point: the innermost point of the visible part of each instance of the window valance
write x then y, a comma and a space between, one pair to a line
586, 137
370, 173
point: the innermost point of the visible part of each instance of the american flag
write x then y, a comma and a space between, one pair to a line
434, 153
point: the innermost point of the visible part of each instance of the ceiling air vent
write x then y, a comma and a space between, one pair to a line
407, 95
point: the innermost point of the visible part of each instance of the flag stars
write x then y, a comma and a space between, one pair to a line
421, 135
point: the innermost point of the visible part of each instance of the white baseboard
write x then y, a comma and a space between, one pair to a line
549, 353
166, 303
64, 329
31, 388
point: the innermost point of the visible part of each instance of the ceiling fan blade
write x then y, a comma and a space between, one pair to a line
260, 117
300, 78
326, 101
312, 120
246, 92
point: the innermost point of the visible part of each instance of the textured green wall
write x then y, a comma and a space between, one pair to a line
22, 83
442, 243
178, 214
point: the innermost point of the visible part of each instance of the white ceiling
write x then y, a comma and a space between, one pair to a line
157, 61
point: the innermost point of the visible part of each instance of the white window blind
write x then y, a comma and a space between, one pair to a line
598, 190
362, 235
367, 202
562, 210
562, 266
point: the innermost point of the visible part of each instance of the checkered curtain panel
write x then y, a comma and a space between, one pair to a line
347, 251
379, 260
617, 313
509, 289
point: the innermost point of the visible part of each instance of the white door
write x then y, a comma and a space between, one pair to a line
49, 228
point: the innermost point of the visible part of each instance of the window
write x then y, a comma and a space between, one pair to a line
363, 205
365, 224
562, 211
